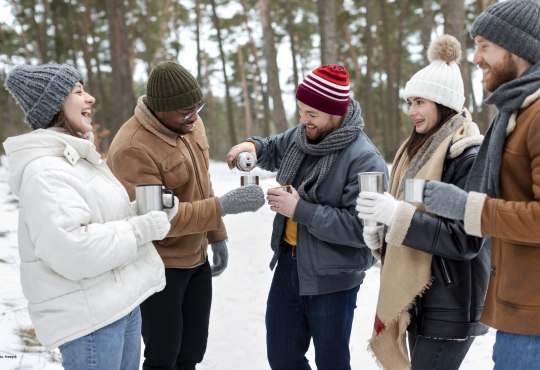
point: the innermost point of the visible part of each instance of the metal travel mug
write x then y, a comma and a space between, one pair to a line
150, 198
414, 190
371, 181
249, 180
245, 161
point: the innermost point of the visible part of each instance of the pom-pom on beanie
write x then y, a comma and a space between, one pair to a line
171, 87
441, 80
40, 90
513, 25
327, 89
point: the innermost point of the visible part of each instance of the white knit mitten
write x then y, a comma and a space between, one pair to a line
153, 225
373, 236
167, 199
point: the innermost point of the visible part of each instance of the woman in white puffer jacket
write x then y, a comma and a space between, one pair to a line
87, 260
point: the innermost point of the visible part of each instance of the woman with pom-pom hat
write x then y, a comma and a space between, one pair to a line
431, 290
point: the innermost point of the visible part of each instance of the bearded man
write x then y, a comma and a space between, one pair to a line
502, 197
317, 239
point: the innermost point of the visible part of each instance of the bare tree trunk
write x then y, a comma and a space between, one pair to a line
272, 71
228, 99
357, 72
211, 131
486, 112
398, 125
454, 24
258, 86
327, 27
157, 48
427, 26
121, 64
292, 40
248, 120
364, 88
198, 37
41, 29
391, 114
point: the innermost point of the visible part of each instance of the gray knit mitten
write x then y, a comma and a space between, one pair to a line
445, 200
153, 225
220, 257
247, 198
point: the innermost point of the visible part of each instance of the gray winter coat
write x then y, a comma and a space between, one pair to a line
331, 254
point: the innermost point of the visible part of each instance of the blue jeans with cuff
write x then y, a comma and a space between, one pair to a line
516, 351
293, 320
116, 346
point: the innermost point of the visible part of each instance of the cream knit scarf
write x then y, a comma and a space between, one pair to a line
406, 272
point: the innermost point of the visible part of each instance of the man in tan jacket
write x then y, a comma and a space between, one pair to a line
503, 199
165, 143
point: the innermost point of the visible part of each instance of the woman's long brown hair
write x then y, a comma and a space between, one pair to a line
416, 140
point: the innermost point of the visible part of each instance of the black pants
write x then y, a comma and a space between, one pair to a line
175, 321
437, 354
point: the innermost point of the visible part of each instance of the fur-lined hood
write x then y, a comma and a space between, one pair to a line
468, 136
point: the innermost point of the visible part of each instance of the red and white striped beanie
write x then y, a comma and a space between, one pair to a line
326, 89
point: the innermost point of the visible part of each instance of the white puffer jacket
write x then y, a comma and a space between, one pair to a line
80, 266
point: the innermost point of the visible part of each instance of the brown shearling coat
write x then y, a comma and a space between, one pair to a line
146, 152
513, 298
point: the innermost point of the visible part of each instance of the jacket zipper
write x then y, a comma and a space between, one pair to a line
197, 176
445, 272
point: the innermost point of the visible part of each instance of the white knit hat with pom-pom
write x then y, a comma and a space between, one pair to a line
441, 80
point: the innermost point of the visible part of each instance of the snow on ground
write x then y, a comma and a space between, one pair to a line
237, 331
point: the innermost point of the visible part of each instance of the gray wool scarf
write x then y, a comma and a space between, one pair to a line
327, 149
508, 98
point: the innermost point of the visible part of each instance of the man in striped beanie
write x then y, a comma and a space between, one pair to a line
320, 254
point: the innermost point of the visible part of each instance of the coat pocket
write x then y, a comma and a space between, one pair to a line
203, 146
175, 170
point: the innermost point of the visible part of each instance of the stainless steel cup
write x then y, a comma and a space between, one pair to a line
249, 180
150, 198
414, 190
371, 181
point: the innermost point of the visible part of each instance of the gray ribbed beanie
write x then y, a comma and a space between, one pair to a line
513, 25
171, 87
40, 90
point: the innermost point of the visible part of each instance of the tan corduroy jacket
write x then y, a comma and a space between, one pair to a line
513, 298
146, 152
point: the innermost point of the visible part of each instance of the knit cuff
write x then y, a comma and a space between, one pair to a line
400, 226
473, 213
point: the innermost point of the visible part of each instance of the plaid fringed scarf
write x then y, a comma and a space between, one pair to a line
406, 272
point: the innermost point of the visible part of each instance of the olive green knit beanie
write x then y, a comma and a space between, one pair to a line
171, 87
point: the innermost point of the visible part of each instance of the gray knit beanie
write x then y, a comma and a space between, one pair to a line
40, 90
171, 87
513, 25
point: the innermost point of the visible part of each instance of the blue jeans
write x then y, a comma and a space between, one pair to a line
516, 351
292, 320
116, 346
437, 354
